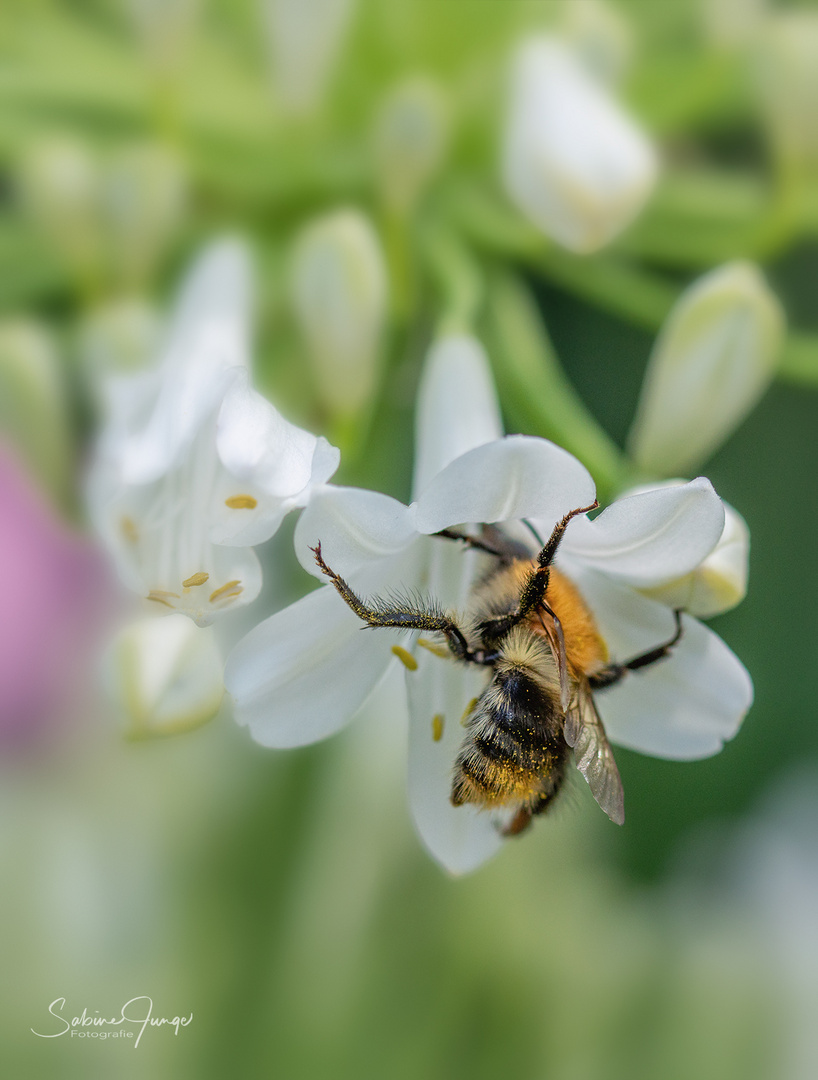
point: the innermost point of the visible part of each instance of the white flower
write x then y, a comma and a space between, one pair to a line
305, 40
304, 672
712, 362
194, 466
573, 161
339, 294
165, 676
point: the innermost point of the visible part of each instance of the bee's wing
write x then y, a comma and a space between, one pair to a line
594, 758
556, 639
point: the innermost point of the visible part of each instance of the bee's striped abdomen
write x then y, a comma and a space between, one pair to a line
514, 750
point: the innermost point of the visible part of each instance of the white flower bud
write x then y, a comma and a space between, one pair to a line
165, 676
339, 293
409, 141
60, 185
713, 360
143, 199
305, 39
573, 161
33, 402
787, 82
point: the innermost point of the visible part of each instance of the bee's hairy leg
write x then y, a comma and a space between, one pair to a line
533, 592
519, 823
402, 618
501, 548
614, 672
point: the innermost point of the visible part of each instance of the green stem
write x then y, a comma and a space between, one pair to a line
456, 276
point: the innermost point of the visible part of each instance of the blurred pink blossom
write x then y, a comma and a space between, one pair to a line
55, 595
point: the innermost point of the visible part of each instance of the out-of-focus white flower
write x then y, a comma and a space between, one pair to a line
143, 200
713, 360
305, 41
301, 674
118, 338
733, 23
718, 583
339, 295
409, 141
164, 27
164, 675
573, 161
193, 465
786, 57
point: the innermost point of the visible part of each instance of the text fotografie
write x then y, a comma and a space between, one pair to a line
138, 1011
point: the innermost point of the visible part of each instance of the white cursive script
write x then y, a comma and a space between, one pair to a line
137, 1011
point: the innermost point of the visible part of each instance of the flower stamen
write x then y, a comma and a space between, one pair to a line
405, 658
468, 711
241, 502
129, 530
198, 578
160, 596
227, 591
437, 726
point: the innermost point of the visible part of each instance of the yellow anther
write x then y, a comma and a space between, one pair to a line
227, 591
437, 650
437, 727
161, 596
469, 711
196, 579
405, 657
129, 529
241, 502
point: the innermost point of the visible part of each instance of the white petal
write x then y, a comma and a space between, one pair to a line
714, 358
573, 161
266, 458
720, 581
457, 407
165, 675
512, 478
684, 706
206, 345
300, 675
462, 837
459, 837
355, 527
650, 538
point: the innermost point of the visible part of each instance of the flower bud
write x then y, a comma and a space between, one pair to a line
60, 185
573, 161
33, 413
305, 39
787, 83
142, 204
339, 294
165, 676
713, 360
409, 141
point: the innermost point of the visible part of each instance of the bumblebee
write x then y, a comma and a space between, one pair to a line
529, 625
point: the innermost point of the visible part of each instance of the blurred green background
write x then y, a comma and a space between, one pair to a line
283, 898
